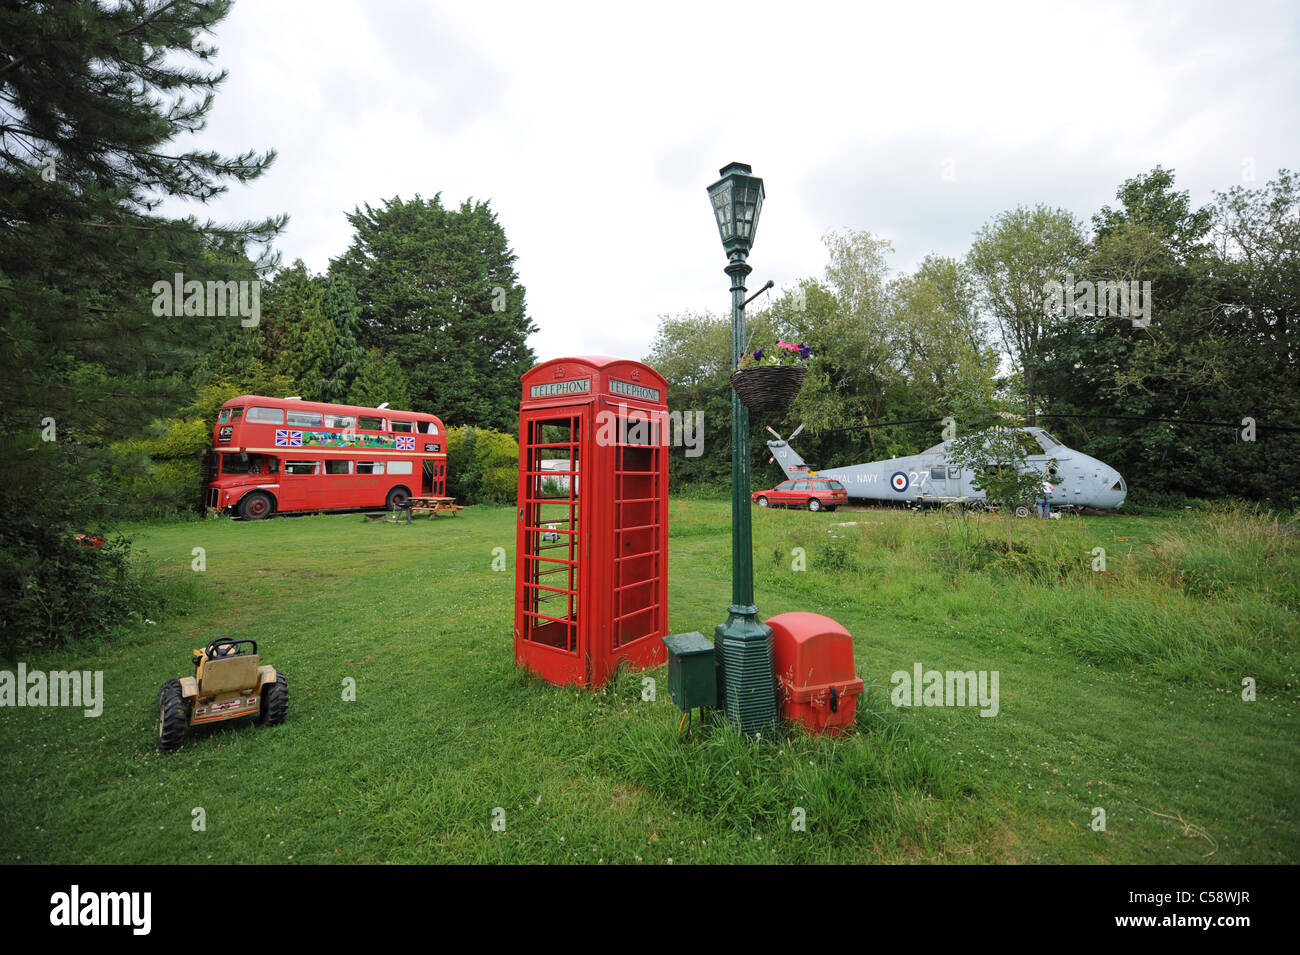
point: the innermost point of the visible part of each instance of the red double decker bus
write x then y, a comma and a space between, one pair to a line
283, 455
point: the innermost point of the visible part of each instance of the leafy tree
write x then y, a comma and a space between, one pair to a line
998, 460
1216, 350
438, 291
938, 339
693, 351
1014, 257
482, 465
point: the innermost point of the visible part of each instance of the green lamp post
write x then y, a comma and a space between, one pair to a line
742, 645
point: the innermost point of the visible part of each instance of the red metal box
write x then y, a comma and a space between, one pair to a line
814, 667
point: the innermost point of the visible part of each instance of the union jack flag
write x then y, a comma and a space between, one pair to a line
288, 439
405, 443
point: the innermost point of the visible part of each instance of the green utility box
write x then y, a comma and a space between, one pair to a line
692, 679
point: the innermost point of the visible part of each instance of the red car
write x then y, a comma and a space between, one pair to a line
816, 494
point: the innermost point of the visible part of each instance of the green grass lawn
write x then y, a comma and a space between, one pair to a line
1119, 689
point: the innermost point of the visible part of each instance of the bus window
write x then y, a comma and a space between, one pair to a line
365, 423
301, 467
428, 427
370, 467
249, 464
229, 414
339, 421
234, 463
399, 467
335, 466
266, 415
402, 427
305, 419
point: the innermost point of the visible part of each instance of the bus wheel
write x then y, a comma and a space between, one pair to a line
255, 506
397, 497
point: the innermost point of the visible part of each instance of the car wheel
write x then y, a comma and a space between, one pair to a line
275, 701
762, 502
814, 504
172, 717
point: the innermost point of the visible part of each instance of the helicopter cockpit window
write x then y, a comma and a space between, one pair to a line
1046, 441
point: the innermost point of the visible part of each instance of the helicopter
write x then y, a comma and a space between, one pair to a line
1076, 480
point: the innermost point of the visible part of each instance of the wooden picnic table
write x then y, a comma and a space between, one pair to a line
433, 506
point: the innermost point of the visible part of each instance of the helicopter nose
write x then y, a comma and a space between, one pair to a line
1118, 489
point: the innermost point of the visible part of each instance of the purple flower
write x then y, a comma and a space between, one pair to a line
758, 354
804, 351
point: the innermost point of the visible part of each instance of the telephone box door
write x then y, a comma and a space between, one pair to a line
551, 561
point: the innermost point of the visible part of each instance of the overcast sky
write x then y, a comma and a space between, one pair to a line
594, 129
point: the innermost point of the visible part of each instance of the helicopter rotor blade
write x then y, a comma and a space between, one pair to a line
795, 435
774, 434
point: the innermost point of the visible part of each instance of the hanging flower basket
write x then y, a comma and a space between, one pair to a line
768, 388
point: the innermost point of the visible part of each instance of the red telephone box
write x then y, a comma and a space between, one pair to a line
591, 570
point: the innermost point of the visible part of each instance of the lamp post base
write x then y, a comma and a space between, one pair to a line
742, 648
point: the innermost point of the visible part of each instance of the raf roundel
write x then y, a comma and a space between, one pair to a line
899, 481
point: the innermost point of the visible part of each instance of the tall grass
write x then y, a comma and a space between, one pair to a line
1216, 590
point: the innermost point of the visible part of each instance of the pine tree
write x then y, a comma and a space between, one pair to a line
344, 314
92, 96
380, 380
438, 291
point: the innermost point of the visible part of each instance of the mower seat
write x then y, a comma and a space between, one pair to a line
227, 674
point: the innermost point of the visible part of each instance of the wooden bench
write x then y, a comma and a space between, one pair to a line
433, 506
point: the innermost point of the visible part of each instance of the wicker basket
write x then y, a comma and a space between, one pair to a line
770, 388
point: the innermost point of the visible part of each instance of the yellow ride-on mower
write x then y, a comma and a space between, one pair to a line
228, 683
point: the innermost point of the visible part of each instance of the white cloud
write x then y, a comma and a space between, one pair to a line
594, 129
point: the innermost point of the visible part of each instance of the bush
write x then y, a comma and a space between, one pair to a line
55, 589
482, 465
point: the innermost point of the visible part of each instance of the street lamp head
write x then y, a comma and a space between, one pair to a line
737, 199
